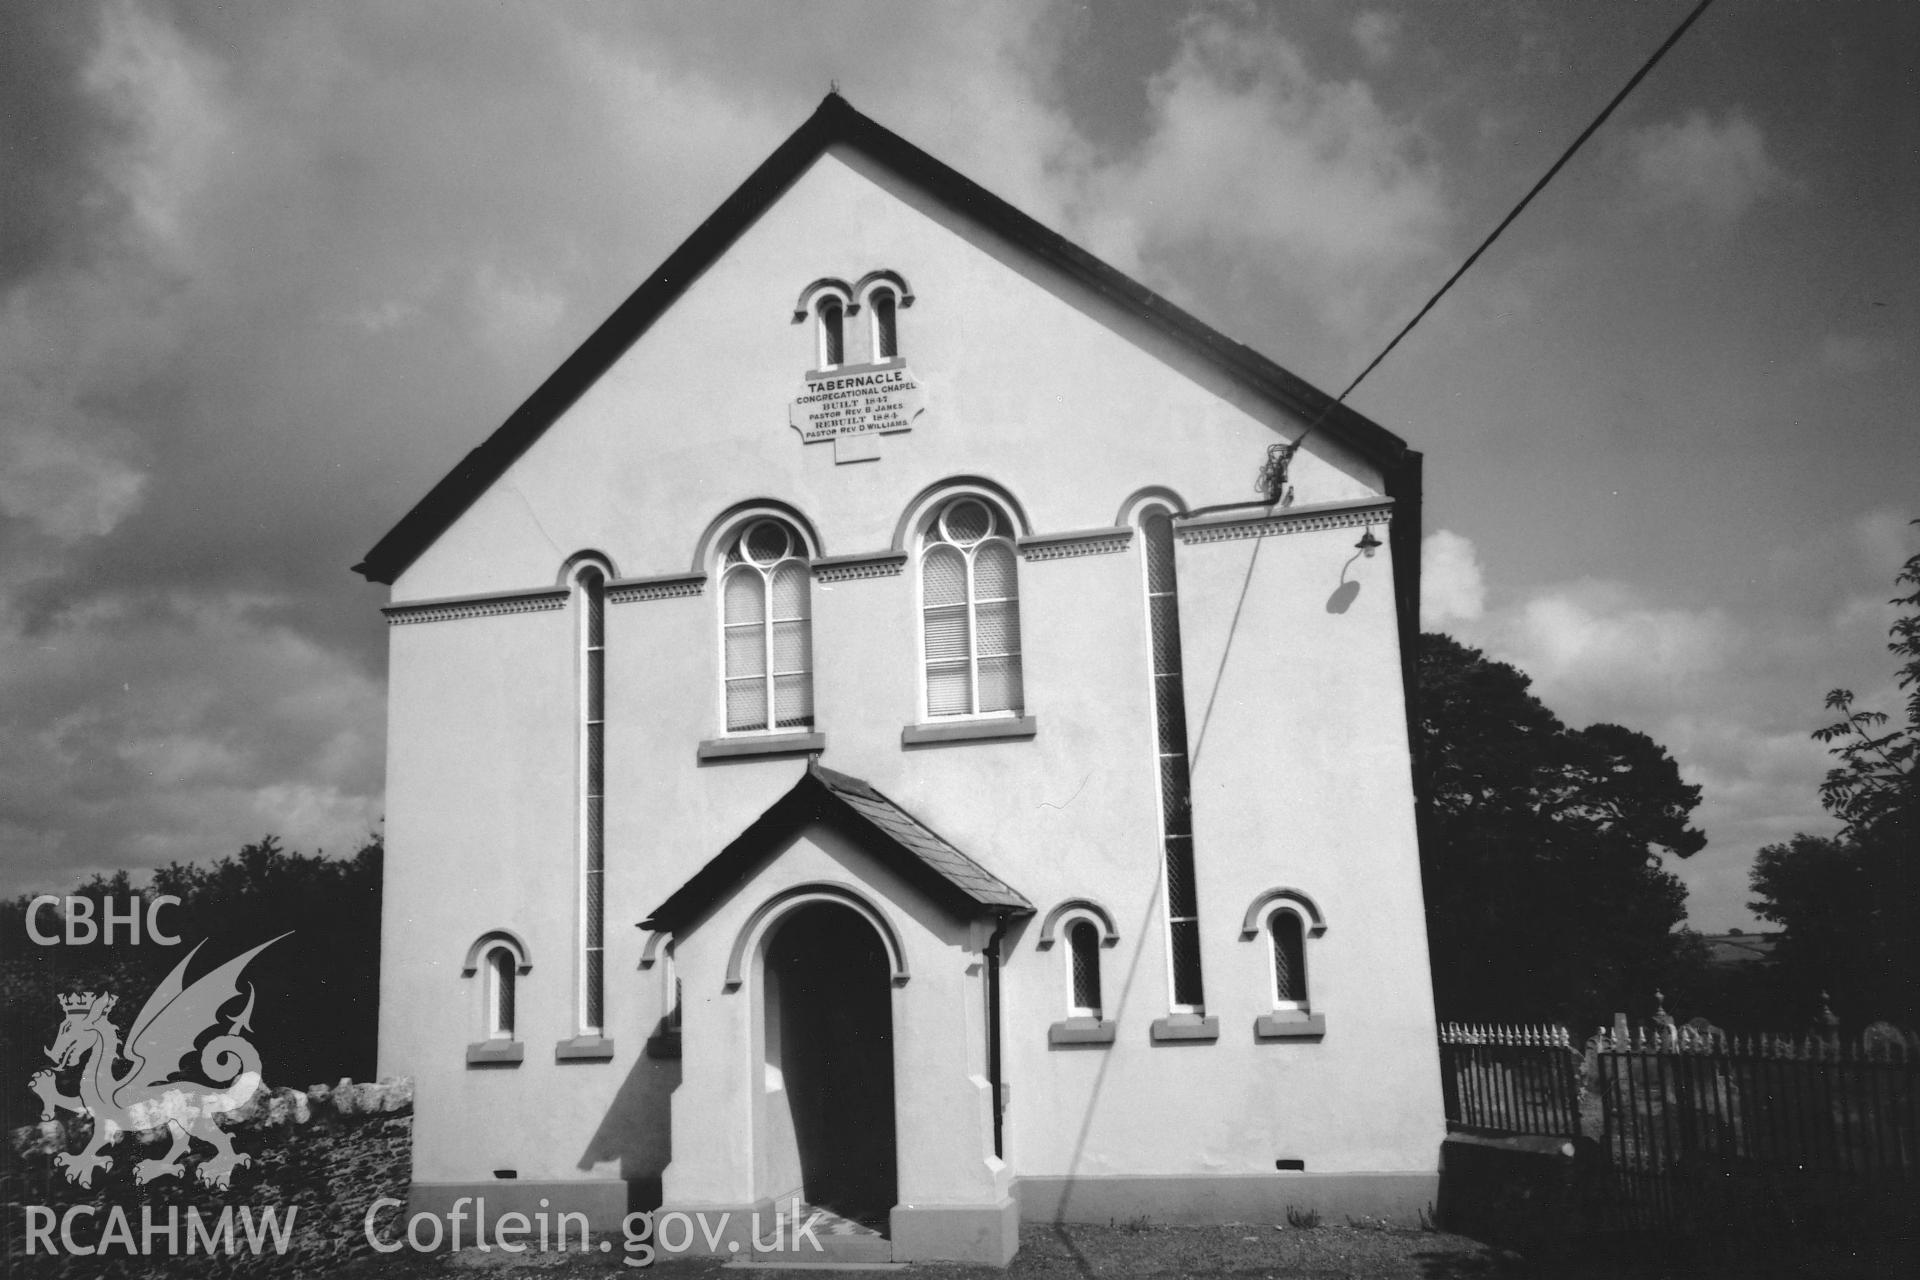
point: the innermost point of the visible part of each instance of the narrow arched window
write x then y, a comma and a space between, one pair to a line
884, 307
1170, 744
590, 587
671, 992
833, 347
1083, 947
497, 960
1289, 960
767, 630
970, 601
501, 967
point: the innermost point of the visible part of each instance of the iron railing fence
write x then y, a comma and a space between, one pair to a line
1690, 1127
1510, 1079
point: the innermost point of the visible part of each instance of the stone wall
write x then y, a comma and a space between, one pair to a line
325, 1155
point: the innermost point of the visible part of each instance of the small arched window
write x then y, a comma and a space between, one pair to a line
1083, 949
498, 959
767, 630
970, 602
1289, 959
500, 976
883, 305
832, 313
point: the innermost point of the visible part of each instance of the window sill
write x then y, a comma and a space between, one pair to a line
496, 1053
584, 1049
1290, 1025
1081, 1031
768, 744
964, 730
1176, 1028
664, 1045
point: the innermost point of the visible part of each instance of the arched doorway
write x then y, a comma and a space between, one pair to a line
829, 1034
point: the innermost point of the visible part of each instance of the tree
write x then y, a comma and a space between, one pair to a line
1542, 850
1848, 903
317, 1012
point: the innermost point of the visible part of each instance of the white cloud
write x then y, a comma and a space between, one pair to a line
1378, 35
1720, 169
1597, 644
71, 488
1451, 585
1252, 154
155, 79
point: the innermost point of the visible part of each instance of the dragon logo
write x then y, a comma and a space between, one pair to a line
150, 1095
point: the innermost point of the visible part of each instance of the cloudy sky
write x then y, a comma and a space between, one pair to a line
267, 271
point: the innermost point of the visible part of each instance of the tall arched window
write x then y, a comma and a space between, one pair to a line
767, 629
1170, 744
883, 305
590, 593
970, 601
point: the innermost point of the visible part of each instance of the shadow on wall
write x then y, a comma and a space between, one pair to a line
638, 1131
1343, 596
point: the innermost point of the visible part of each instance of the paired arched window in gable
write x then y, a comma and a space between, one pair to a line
970, 609
885, 295
831, 303
883, 305
831, 318
766, 628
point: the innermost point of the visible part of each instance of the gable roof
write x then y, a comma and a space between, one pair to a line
836, 122
853, 807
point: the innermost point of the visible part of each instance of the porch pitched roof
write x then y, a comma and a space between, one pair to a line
855, 808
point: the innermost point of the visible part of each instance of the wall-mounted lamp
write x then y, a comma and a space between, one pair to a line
1368, 544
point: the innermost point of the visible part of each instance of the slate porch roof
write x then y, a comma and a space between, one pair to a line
856, 809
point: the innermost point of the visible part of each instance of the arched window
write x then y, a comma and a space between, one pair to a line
1086, 929
970, 602
767, 629
883, 306
1285, 921
498, 959
500, 974
1289, 959
1083, 948
590, 590
832, 313
1170, 735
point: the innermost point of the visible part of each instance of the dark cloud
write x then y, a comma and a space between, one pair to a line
50, 205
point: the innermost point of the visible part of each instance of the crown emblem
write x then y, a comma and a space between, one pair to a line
78, 1002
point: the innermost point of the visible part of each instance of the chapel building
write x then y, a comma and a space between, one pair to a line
909, 720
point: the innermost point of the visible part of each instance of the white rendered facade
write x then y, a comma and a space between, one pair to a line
560, 749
